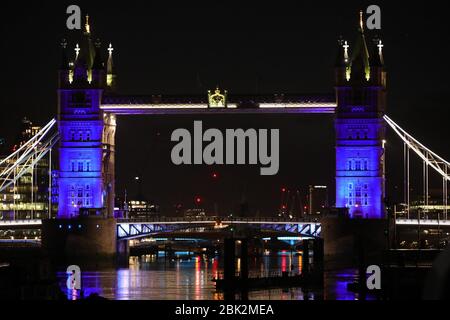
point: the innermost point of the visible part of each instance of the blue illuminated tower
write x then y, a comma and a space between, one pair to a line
83, 153
360, 129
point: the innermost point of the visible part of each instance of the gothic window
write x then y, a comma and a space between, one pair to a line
366, 167
72, 135
349, 165
358, 195
80, 193
88, 135
72, 166
88, 166
78, 97
350, 194
80, 166
358, 165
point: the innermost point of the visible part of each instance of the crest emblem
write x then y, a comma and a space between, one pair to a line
217, 99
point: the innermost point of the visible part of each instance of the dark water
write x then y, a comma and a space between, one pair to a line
151, 277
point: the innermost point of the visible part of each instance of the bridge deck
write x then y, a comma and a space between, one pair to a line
240, 104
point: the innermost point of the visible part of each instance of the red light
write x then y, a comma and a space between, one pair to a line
283, 190
283, 207
198, 200
215, 175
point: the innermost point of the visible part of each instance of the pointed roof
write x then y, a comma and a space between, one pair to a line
376, 56
87, 49
64, 60
360, 67
342, 53
98, 60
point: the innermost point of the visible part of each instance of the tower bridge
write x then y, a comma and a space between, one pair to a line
88, 105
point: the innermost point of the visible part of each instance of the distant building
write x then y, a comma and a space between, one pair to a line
195, 213
138, 208
28, 198
317, 199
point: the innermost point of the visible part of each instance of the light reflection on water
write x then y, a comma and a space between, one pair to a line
152, 278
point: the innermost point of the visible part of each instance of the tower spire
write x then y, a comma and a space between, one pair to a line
110, 76
361, 20
87, 26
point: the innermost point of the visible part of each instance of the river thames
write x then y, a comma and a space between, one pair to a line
152, 277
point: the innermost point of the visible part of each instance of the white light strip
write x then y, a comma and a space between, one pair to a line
297, 105
424, 222
20, 222
154, 106
204, 106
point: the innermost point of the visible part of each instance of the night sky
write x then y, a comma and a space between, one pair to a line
247, 49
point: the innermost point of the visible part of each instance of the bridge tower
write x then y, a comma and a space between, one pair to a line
360, 129
87, 135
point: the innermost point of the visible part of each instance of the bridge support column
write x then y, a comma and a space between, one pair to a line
347, 240
123, 252
229, 260
91, 239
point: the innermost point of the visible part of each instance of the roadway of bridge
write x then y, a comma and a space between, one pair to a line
6, 224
